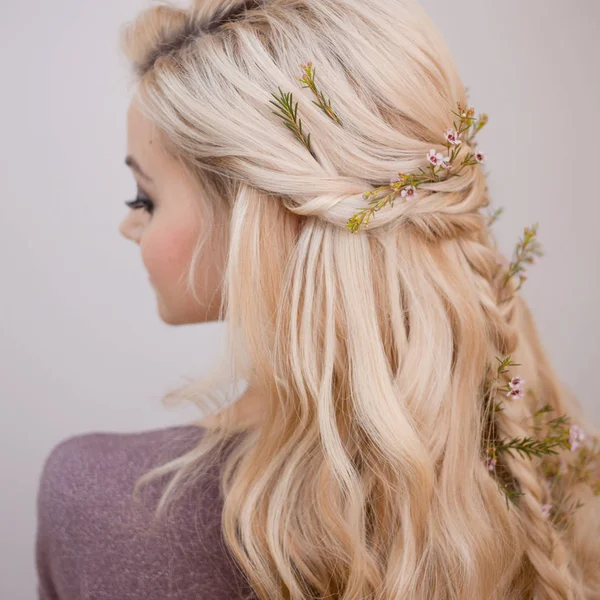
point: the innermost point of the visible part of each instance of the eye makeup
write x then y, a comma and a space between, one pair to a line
141, 202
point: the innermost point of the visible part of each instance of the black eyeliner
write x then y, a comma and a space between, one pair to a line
141, 202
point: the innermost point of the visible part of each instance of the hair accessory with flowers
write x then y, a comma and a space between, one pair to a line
440, 167
405, 185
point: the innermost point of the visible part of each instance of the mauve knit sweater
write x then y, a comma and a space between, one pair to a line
94, 543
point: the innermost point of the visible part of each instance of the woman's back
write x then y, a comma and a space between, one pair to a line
94, 541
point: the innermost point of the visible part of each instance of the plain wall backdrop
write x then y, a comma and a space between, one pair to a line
82, 347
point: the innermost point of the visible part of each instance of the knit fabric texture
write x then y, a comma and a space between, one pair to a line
94, 542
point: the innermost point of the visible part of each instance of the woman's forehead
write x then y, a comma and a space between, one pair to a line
144, 145
141, 131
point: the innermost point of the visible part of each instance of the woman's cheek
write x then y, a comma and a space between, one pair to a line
165, 253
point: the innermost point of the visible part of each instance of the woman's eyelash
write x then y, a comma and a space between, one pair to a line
141, 202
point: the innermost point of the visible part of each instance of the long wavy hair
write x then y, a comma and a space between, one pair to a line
363, 478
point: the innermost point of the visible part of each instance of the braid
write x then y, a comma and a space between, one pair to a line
546, 551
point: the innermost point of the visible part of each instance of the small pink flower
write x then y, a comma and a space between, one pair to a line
434, 158
546, 508
516, 387
446, 164
516, 382
410, 191
515, 393
490, 463
576, 434
480, 157
453, 136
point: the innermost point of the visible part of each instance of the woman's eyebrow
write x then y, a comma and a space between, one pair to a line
133, 164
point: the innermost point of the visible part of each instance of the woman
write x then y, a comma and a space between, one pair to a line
403, 433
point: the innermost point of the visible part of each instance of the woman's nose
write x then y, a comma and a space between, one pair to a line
131, 228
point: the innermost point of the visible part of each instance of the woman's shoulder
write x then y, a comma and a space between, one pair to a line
85, 463
90, 476
110, 441
81, 448
90, 533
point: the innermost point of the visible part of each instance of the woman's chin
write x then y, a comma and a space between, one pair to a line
163, 313
181, 313
170, 317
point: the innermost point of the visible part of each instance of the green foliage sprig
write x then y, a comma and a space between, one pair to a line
309, 80
494, 216
527, 249
289, 114
289, 110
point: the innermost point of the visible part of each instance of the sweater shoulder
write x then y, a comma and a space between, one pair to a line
88, 466
92, 536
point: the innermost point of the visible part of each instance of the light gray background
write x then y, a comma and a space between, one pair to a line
82, 348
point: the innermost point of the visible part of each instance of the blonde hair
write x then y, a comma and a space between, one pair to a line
363, 478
